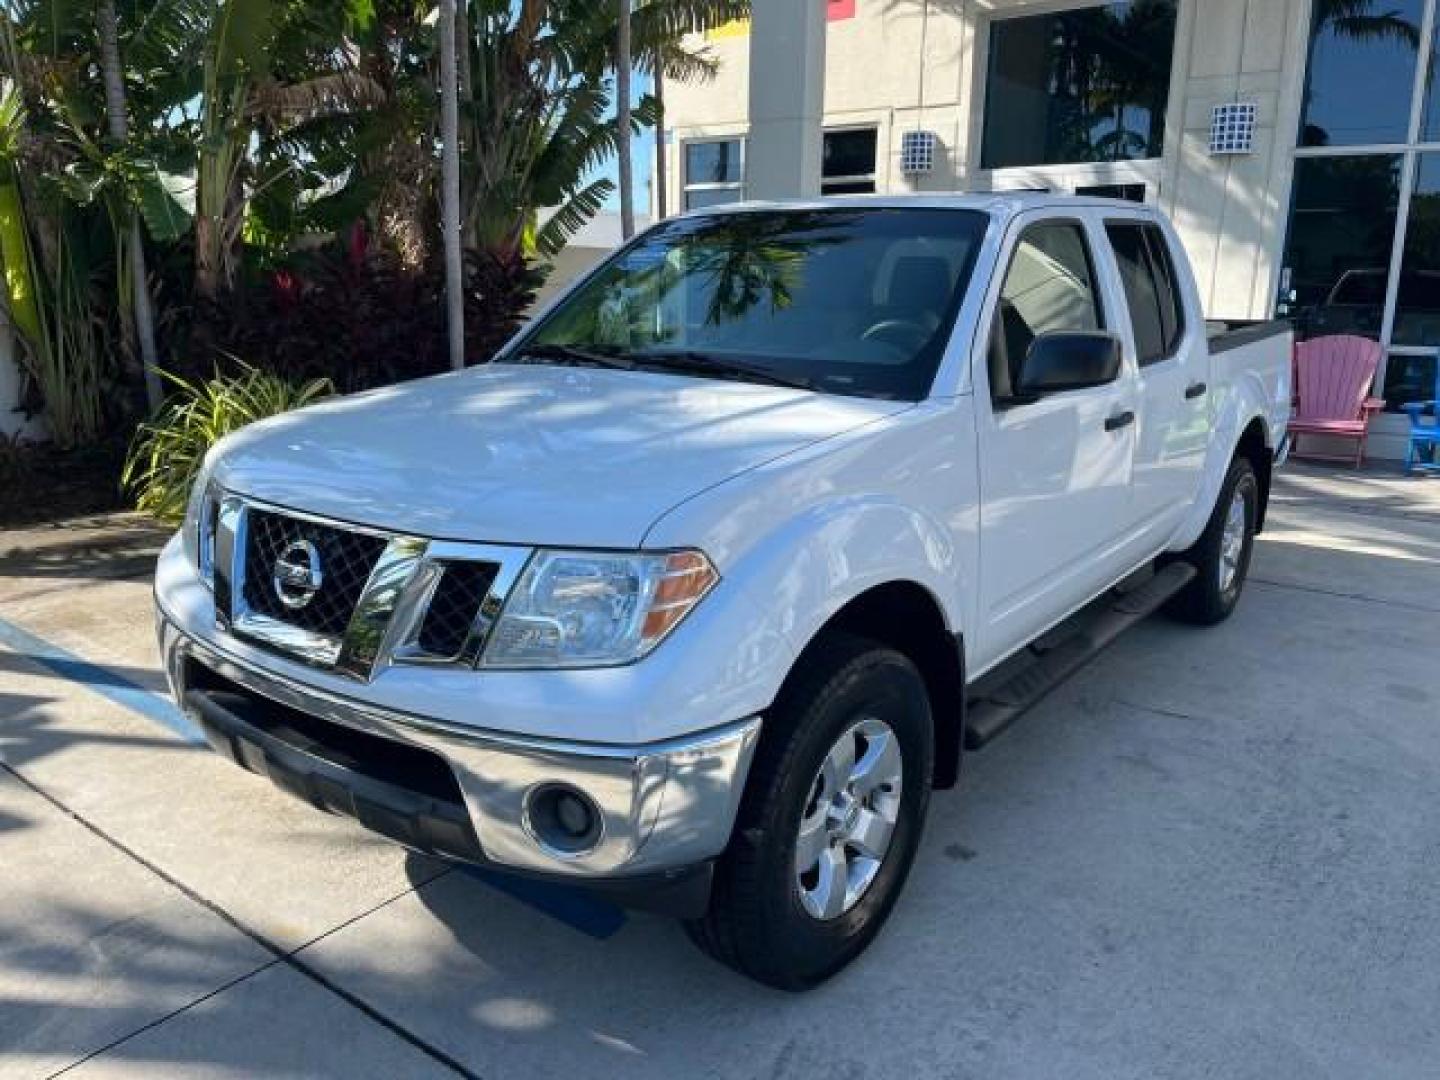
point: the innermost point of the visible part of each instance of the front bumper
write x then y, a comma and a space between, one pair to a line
663, 807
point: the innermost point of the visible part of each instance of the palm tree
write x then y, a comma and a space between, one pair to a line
623, 122
450, 184
119, 124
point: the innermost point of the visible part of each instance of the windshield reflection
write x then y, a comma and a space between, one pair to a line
849, 300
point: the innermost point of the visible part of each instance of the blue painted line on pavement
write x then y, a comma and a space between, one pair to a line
574, 907
589, 914
100, 680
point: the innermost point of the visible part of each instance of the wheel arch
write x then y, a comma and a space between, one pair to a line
1247, 435
906, 616
1254, 448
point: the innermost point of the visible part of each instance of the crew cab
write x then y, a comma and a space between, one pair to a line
695, 592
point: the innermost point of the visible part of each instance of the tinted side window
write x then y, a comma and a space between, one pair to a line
1151, 294
1049, 286
1172, 314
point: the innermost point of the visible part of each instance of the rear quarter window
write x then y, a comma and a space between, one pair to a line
1152, 294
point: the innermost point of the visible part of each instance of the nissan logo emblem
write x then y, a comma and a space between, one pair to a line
297, 577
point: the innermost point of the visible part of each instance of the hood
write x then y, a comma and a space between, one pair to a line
528, 454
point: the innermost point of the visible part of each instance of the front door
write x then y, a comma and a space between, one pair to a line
1054, 473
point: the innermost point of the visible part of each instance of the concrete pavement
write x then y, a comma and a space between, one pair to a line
1212, 853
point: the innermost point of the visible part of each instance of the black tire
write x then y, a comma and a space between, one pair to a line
756, 923
1205, 602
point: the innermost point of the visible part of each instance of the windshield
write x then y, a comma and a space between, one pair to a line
845, 301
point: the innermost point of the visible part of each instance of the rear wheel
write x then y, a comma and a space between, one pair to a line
830, 820
1221, 556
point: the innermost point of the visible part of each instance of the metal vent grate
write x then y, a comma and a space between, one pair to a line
1232, 128
917, 152
345, 560
462, 588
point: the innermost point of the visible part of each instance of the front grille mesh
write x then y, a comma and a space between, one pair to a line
456, 601
346, 558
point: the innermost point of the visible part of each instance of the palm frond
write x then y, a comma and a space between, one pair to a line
570, 217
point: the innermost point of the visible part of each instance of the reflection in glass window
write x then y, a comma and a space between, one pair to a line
856, 302
847, 162
1430, 121
1409, 378
712, 162
714, 173
1417, 301
1148, 277
1049, 287
1342, 227
1361, 71
1076, 86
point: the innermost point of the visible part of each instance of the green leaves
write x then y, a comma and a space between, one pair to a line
168, 451
153, 193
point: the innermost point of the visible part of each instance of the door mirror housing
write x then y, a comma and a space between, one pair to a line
1068, 360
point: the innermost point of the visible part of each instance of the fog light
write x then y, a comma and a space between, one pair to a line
563, 819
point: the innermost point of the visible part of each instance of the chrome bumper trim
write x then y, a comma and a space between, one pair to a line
665, 805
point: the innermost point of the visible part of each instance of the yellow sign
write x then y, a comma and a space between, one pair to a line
732, 29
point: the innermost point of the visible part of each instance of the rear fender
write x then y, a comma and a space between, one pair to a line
1247, 399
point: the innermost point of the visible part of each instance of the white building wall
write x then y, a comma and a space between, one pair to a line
907, 64
13, 423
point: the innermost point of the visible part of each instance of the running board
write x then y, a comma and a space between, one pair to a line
998, 701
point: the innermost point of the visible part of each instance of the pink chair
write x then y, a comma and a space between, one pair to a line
1332, 392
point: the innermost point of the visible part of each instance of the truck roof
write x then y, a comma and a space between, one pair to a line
1000, 203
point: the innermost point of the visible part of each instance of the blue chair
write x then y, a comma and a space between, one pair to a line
1423, 453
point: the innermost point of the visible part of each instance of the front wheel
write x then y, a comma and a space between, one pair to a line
1221, 556
830, 820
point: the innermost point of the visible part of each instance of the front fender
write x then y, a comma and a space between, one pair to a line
798, 539
813, 565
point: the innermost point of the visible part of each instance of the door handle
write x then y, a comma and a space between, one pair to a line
1194, 390
1119, 420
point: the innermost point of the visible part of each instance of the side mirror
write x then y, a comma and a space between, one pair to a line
1068, 360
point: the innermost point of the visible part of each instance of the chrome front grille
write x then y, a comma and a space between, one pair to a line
454, 606
354, 599
348, 558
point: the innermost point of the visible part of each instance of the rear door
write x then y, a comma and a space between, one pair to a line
1167, 346
1055, 472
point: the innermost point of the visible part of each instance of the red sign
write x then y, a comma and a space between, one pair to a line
839, 9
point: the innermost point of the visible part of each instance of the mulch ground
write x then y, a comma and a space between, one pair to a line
39, 483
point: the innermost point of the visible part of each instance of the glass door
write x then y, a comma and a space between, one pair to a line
1362, 252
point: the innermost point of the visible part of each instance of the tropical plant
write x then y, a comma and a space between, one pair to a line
540, 124
355, 313
169, 448
49, 265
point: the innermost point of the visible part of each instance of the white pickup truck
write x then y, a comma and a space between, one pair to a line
696, 592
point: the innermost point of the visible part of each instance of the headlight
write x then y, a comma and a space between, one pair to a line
198, 530
595, 609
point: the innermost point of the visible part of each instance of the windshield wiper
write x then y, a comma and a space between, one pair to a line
708, 364
593, 355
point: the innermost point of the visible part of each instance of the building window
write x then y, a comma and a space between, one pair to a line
1342, 225
1361, 72
847, 164
1079, 86
1127, 192
1362, 254
714, 172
